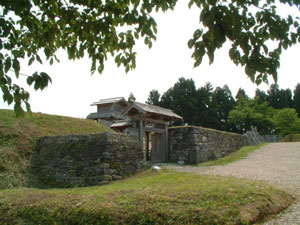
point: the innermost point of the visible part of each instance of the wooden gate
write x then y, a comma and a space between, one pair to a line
157, 147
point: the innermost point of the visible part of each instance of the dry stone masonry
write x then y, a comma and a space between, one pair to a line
84, 160
196, 144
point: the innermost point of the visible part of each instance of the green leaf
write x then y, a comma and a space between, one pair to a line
31, 60
191, 43
136, 35
198, 62
16, 66
39, 59
7, 64
30, 80
250, 72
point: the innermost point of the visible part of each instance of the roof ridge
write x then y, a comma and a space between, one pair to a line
154, 106
112, 98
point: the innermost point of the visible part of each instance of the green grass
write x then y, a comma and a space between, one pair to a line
18, 136
291, 138
167, 197
233, 157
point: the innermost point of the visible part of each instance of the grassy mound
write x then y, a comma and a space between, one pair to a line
233, 157
166, 197
18, 136
291, 138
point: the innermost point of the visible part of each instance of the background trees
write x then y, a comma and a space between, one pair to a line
216, 108
287, 122
153, 98
181, 98
296, 99
279, 98
250, 113
131, 98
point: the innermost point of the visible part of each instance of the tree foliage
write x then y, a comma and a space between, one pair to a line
260, 95
223, 103
250, 27
206, 108
31, 29
131, 98
287, 121
181, 98
216, 108
296, 99
250, 113
153, 98
241, 94
279, 98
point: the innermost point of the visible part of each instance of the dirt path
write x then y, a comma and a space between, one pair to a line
276, 163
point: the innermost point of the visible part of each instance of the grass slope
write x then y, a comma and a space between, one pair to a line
233, 157
18, 136
166, 197
291, 138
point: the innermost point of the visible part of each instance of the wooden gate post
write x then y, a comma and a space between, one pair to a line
141, 134
166, 144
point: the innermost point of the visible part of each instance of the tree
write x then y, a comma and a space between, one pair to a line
287, 122
224, 103
274, 96
153, 98
241, 94
102, 28
279, 99
205, 113
131, 98
249, 113
181, 98
261, 96
296, 99
251, 27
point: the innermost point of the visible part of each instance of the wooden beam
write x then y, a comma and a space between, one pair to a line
141, 134
166, 144
147, 146
156, 130
140, 117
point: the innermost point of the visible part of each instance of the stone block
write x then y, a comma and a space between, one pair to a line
104, 165
116, 177
105, 177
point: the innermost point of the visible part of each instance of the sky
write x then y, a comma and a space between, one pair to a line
73, 87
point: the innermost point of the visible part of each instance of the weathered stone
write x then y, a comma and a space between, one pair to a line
82, 160
104, 165
208, 144
105, 177
130, 169
103, 182
115, 177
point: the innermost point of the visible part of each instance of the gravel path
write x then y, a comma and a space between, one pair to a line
276, 163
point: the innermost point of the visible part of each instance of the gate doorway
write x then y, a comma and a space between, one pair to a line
156, 147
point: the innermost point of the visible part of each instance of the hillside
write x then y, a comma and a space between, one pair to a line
18, 136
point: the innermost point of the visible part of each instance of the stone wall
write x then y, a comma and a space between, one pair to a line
83, 160
196, 144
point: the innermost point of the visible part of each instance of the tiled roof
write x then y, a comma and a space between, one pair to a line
145, 108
